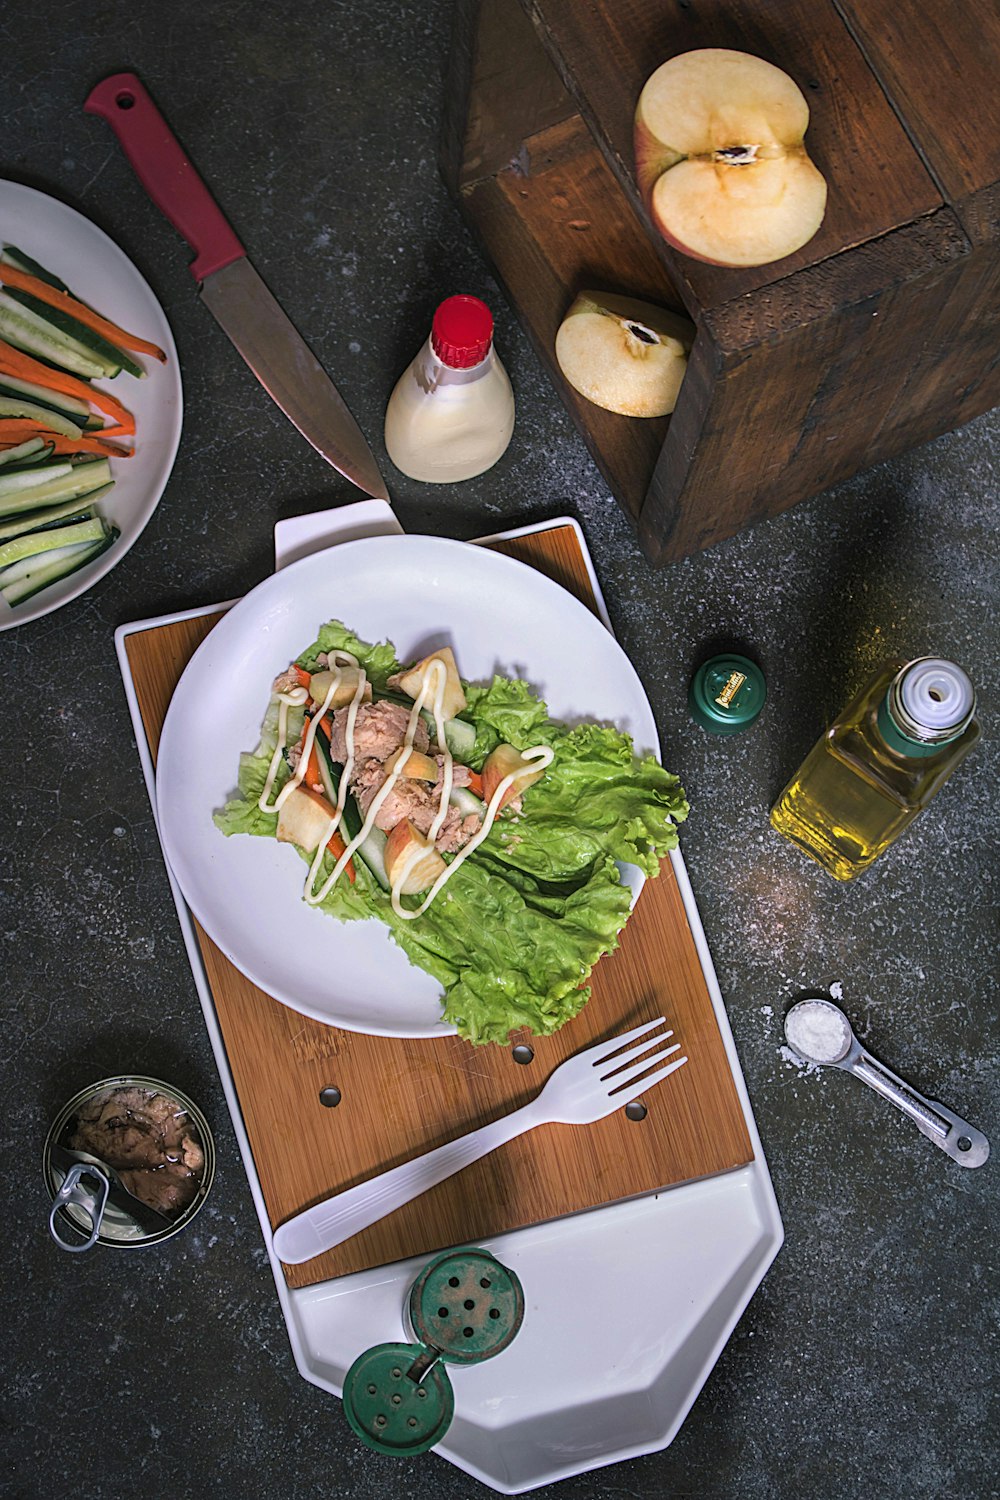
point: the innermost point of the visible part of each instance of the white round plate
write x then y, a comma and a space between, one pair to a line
97, 272
498, 615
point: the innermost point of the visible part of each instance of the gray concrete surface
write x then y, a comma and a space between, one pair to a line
867, 1364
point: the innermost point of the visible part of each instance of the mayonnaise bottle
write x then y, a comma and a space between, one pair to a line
451, 414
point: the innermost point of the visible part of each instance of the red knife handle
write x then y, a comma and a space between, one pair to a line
165, 172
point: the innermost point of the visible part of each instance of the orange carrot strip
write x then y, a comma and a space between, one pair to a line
301, 674
475, 783
336, 847
15, 362
14, 430
83, 314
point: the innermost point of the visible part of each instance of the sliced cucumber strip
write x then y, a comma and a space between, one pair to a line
30, 565
66, 326
466, 802
34, 542
24, 453
51, 571
82, 479
70, 406
53, 515
372, 849
30, 478
15, 257
26, 330
46, 416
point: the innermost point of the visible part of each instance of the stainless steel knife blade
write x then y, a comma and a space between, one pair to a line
286, 367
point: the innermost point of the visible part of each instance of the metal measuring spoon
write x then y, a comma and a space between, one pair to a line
820, 1033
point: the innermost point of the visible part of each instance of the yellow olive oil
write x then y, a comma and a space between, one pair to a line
880, 762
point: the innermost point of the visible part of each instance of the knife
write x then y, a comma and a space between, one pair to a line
230, 287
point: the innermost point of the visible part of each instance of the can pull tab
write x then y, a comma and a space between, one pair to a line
93, 1201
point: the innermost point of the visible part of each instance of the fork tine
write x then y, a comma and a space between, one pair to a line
621, 1058
604, 1049
647, 1083
615, 1080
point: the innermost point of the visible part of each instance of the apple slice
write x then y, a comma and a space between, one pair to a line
416, 767
304, 819
623, 354
504, 761
720, 160
411, 854
453, 700
320, 684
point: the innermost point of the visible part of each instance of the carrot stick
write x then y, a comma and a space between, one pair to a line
336, 847
83, 314
14, 430
475, 783
15, 362
301, 674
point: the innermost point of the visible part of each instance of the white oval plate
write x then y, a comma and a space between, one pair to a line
420, 592
97, 272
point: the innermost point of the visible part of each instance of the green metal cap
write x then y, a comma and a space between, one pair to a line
726, 694
467, 1305
398, 1400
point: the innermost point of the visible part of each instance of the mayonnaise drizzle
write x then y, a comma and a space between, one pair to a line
539, 756
433, 686
294, 699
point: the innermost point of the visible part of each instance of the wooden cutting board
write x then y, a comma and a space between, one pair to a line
400, 1097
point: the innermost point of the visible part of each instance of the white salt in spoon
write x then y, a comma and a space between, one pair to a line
820, 1033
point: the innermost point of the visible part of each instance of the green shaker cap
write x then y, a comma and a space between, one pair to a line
467, 1305
727, 693
389, 1409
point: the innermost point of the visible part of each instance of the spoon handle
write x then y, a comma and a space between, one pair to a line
956, 1137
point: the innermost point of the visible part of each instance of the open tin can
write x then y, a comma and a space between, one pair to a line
87, 1207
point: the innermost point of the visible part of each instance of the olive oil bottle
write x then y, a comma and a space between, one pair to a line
879, 763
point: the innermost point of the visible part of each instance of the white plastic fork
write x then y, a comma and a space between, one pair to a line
583, 1089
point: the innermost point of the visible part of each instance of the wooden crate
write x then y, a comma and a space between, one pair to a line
880, 333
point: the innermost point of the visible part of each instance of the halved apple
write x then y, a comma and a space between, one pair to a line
416, 766
504, 761
720, 158
624, 354
304, 819
412, 681
320, 684
410, 853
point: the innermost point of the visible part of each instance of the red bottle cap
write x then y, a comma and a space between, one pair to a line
462, 332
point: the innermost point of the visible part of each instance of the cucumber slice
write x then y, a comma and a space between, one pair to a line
70, 406
52, 570
372, 849
81, 479
53, 515
69, 327
29, 452
26, 479
15, 257
25, 455
20, 548
467, 802
26, 330
17, 406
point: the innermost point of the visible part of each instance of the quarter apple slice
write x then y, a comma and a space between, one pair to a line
412, 855
453, 697
505, 761
720, 159
624, 354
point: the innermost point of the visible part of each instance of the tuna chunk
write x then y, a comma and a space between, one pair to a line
379, 729
148, 1139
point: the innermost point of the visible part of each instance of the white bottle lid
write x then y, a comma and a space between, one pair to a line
936, 694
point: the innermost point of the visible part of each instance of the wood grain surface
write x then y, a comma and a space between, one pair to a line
878, 334
400, 1097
